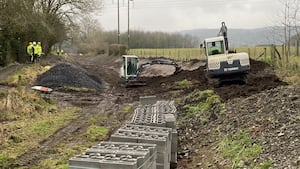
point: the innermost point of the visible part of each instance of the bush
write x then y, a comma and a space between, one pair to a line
117, 50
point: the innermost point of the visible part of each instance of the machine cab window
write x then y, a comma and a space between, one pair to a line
131, 65
215, 48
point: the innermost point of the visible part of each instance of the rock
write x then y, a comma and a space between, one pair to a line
296, 163
198, 164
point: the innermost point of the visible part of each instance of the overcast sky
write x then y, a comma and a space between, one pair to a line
177, 15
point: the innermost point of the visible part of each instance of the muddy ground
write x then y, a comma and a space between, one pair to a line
261, 78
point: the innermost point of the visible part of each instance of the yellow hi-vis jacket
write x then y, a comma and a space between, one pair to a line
29, 49
38, 50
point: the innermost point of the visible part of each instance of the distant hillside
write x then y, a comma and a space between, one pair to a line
243, 37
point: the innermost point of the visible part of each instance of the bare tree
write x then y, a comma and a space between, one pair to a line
43, 20
289, 22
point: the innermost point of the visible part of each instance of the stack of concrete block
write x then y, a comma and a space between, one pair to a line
148, 142
158, 113
148, 134
115, 155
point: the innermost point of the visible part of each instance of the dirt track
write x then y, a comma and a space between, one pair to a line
260, 78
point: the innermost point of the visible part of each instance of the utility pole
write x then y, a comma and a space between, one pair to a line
128, 35
118, 21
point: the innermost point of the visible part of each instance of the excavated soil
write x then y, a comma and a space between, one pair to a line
261, 77
101, 74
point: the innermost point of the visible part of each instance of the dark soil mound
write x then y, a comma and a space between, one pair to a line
261, 77
63, 75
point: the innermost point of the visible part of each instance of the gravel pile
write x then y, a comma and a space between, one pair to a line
273, 117
63, 75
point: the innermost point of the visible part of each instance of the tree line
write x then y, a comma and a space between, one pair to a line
92, 38
47, 21
148, 39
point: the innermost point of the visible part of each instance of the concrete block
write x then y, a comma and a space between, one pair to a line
148, 129
124, 137
162, 140
163, 149
174, 141
135, 150
148, 100
102, 162
174, 157
163, 166
135, 146
170, 121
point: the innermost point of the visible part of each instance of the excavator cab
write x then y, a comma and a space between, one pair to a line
129, 67
214, 46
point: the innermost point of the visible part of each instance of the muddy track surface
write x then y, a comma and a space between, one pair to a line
68, 133
261, 77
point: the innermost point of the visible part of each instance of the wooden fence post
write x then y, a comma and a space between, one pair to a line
272, 54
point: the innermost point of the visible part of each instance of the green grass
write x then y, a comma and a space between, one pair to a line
96, 133
18, 104
127, 108
265, 165
5, 160
99, 118
203, 103
184, 83
60, 157
240, 148
24, 76
23, 135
